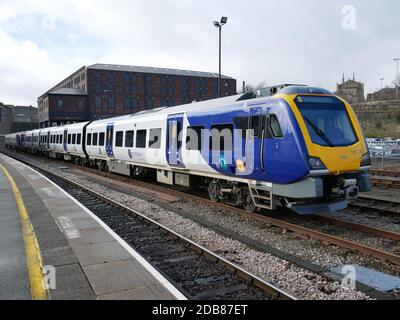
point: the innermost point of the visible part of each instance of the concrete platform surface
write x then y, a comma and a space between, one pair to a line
90, 261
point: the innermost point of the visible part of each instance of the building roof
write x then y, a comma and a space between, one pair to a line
177, 72
69, 91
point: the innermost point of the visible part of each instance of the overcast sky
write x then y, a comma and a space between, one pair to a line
287, 41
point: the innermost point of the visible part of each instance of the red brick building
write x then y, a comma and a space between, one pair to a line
102, 91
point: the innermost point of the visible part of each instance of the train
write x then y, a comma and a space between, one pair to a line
297, 147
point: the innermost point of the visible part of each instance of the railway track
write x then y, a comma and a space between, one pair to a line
385, 178
165, 193
197, 272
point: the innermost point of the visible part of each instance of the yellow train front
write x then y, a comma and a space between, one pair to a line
336, 149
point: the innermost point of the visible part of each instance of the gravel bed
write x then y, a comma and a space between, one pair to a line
297, 281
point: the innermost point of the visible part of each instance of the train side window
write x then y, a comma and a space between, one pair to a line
155, 139
119, 137
61, 138
129, 139
195, 138
101, 139
141, 139
255, 125
94, 142
89, 139
58, 139
78, 139
275, 126
69, 139
224, 133
74, 138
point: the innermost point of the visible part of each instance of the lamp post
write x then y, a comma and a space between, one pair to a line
381, 80
219, 25
397, 77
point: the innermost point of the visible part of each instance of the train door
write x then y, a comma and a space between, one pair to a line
65, 140
254, 145
109, 140
174, 140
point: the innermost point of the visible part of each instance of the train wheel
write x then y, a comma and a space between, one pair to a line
248, 202
214, 191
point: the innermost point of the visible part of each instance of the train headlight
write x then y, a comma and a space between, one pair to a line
316, 164
366, 160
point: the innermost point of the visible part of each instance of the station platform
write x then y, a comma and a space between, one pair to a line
47, 237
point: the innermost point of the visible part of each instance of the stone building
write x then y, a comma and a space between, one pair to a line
16, 119
351, 90
385, 94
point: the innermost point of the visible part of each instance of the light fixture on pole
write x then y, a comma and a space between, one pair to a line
397, 77
219, 25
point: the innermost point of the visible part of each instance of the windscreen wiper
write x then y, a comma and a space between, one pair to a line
319, 132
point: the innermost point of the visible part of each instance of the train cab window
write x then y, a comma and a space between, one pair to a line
89, 139
74, 138
69, 139
255, 125
101, 139
119, 137
224, 134
155, 139
141, 139
78, 138
275, 126
94, 142
129, 139
194, 138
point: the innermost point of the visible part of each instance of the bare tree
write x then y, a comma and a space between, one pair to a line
260, 85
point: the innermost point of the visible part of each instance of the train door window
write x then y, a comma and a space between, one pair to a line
275, 126
141, 139
129, 139
223, 133
78, 138
57, 138
94, 142
51, 139
255, 125
101, 139
194, 138
89, 139
119, 137
69, 139
61, 139
155, 139
74, 138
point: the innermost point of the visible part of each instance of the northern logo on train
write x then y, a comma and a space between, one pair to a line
130, 153
223, 164
100, 153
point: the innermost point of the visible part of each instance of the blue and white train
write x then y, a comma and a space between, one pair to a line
301, 148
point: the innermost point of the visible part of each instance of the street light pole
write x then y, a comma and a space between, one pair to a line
397, 77
219, 25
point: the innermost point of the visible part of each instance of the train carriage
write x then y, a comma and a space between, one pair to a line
300, 148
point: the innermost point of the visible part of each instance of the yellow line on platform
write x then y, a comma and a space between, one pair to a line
32, 251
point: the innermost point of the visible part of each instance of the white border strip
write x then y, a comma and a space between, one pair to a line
157, 275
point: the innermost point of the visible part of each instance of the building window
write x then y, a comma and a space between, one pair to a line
111, 103
119, 138
80, 104
101, 139
141, 139
129, 139
149, 103
155, 139
60, 104
98, 103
